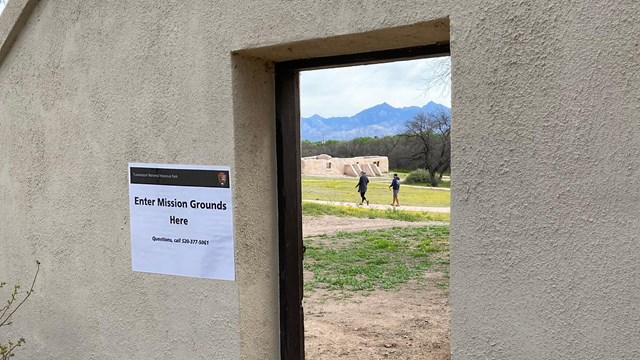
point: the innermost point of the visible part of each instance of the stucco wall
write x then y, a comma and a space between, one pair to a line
546, 152
546, 178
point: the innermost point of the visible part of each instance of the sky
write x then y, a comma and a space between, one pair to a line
349, 90
2, 5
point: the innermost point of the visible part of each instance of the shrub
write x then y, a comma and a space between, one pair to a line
6, 312
418, 176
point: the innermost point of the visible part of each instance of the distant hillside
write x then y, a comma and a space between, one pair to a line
380, 120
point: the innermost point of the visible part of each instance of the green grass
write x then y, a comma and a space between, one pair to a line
344, 190
445, 183
373, 260
401, 172
317, 209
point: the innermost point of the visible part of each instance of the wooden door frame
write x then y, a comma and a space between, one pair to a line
290, 249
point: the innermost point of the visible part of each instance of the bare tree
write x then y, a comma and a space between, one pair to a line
432, 133
438, 76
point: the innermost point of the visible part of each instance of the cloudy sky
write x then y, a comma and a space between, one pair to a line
347, 91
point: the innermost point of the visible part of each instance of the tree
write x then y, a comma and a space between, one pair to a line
438, 76
432, 135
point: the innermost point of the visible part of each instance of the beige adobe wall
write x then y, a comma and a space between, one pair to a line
319, 165
13, 18
350, 170
89, 86
546, 152
545, 176
375, 170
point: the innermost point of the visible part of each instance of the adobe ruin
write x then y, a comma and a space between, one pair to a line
325, 165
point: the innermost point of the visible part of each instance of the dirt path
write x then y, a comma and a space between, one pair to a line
410, 324
316, 225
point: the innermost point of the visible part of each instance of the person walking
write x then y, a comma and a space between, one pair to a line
362, 187
395, 186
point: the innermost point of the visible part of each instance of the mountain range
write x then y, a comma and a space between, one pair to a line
380, 120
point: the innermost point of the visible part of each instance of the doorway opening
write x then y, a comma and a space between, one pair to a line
288, 138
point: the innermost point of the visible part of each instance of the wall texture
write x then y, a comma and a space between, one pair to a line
546, 173
546, 158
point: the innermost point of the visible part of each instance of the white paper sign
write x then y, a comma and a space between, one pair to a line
181, 220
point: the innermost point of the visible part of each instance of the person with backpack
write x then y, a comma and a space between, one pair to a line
395, 185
